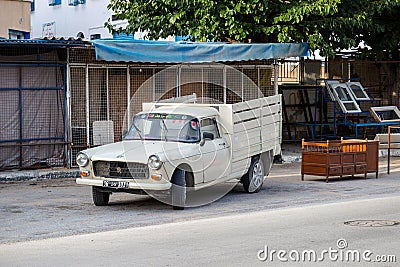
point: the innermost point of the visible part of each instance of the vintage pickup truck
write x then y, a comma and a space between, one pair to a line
176, 147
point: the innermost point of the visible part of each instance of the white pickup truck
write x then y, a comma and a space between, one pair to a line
176, 147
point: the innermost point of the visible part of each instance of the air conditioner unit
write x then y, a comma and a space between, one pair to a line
103, 132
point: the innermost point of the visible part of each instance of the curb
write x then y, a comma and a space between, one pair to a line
26, 175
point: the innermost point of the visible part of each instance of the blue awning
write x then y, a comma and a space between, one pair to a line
129, 50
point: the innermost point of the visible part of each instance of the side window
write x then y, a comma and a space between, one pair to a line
210, 125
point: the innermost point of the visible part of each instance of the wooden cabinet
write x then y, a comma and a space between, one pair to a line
373, 156
339, 158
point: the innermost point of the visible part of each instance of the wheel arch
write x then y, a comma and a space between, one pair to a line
267, 159
189, 176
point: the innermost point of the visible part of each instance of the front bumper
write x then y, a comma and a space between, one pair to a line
165, 185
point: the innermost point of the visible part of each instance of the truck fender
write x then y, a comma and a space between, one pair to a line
267, 159
188, 174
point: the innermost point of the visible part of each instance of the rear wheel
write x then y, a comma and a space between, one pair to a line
254, 178
100, 198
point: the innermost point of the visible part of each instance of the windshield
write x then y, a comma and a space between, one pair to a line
164, 127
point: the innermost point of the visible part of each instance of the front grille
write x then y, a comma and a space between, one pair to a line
121, 170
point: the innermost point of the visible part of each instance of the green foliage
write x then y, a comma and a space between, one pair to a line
327, 25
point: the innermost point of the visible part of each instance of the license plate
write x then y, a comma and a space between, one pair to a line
116, 184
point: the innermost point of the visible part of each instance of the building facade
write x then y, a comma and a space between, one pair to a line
15, 20
70, 18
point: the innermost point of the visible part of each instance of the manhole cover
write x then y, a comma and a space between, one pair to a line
372, 223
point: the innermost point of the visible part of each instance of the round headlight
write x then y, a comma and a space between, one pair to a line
154, 162
82, 159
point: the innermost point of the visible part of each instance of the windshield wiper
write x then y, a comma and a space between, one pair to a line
165, 130
138, 130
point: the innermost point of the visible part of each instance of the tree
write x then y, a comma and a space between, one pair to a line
327, 25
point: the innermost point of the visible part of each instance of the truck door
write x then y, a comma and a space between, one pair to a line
214, 151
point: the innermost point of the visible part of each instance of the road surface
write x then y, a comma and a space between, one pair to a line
234, 240
32, 210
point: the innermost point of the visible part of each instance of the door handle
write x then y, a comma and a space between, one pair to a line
222, 144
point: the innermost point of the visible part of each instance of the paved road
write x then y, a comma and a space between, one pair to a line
235, 240
52, 208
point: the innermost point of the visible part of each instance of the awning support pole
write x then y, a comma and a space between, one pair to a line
276, 69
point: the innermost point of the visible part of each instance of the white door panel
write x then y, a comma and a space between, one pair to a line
216, 159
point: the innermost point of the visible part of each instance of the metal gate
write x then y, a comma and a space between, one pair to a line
101, 95
32, 121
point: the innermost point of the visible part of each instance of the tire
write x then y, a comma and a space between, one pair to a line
100, 198
254, 178
178, 190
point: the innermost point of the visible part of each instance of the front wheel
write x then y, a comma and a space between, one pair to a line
178, 190
254, 178
100, 198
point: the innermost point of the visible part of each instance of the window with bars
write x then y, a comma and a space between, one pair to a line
76, 2
54, 2
95, 36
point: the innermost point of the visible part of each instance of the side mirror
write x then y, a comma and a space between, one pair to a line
206, 136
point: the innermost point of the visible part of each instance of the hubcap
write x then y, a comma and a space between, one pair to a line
257, 177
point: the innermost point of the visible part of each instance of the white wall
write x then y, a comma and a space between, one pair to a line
68, 20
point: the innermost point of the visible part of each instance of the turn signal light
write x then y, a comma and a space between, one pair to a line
156, 177
84, 173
